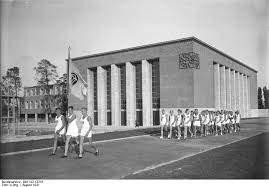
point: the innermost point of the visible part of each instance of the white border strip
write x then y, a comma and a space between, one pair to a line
190, 155
47, 148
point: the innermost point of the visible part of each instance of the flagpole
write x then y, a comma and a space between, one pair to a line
68, 63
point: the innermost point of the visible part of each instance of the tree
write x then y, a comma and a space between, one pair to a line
266, 97
260, 102
46, 74
62, 98
12, 85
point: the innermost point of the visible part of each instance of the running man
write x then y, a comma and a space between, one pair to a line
86, 132
72, 129
163, 122
59, 130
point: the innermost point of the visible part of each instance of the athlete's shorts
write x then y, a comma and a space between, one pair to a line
219, 124
84, 131
197, 123
72, 130
61, 132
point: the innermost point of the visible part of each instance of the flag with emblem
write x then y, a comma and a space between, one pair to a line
77, 85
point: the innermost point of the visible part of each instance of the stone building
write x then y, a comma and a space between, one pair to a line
33, 108
131, 86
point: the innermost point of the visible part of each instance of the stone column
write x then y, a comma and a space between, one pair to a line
217, 86
248, 86
228, 89
147, 93
238, 97
101, 96
90, 95
243, 95
130, 94
36, 117
115, 95
222, 88
246, 96
233, 90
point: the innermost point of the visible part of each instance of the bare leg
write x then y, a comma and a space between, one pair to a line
81, 146
55, 143
178, 132
189, 129
161, 131
170, 132
66, 145
92, 146
185, 132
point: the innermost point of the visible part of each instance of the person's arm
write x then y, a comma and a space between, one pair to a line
72, 119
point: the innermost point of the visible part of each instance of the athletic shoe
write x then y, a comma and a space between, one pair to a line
52, 154
64, 156
161, 137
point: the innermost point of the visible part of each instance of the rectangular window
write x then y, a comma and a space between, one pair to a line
138, 85
123, 86
139, 118
95, 88
96, 118
109, 122
155, 83
108, 87
123, 118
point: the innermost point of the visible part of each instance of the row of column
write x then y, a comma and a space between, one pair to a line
116, 94
231, 90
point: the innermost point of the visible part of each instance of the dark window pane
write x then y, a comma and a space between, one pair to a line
123, 118
109, 119
95, 118
156, 117
139, 118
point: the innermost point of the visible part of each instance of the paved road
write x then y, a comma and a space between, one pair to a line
246, 159
121, 159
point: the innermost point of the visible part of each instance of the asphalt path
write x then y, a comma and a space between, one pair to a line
238, 155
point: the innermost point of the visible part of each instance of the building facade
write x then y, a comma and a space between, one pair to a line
36, 102
131, 86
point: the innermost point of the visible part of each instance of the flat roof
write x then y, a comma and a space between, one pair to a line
164, 43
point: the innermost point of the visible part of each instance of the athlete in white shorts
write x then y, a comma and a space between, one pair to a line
86, 132
163, 122
206, 122
59, 129
179, 124
218, 123
172, 123
196, 122
187, 123
72, 129
237, 120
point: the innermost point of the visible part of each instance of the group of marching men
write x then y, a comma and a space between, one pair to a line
67, 128
206, 122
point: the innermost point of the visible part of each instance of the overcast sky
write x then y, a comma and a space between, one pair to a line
32, 30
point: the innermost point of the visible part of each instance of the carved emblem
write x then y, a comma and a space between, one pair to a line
189, 60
